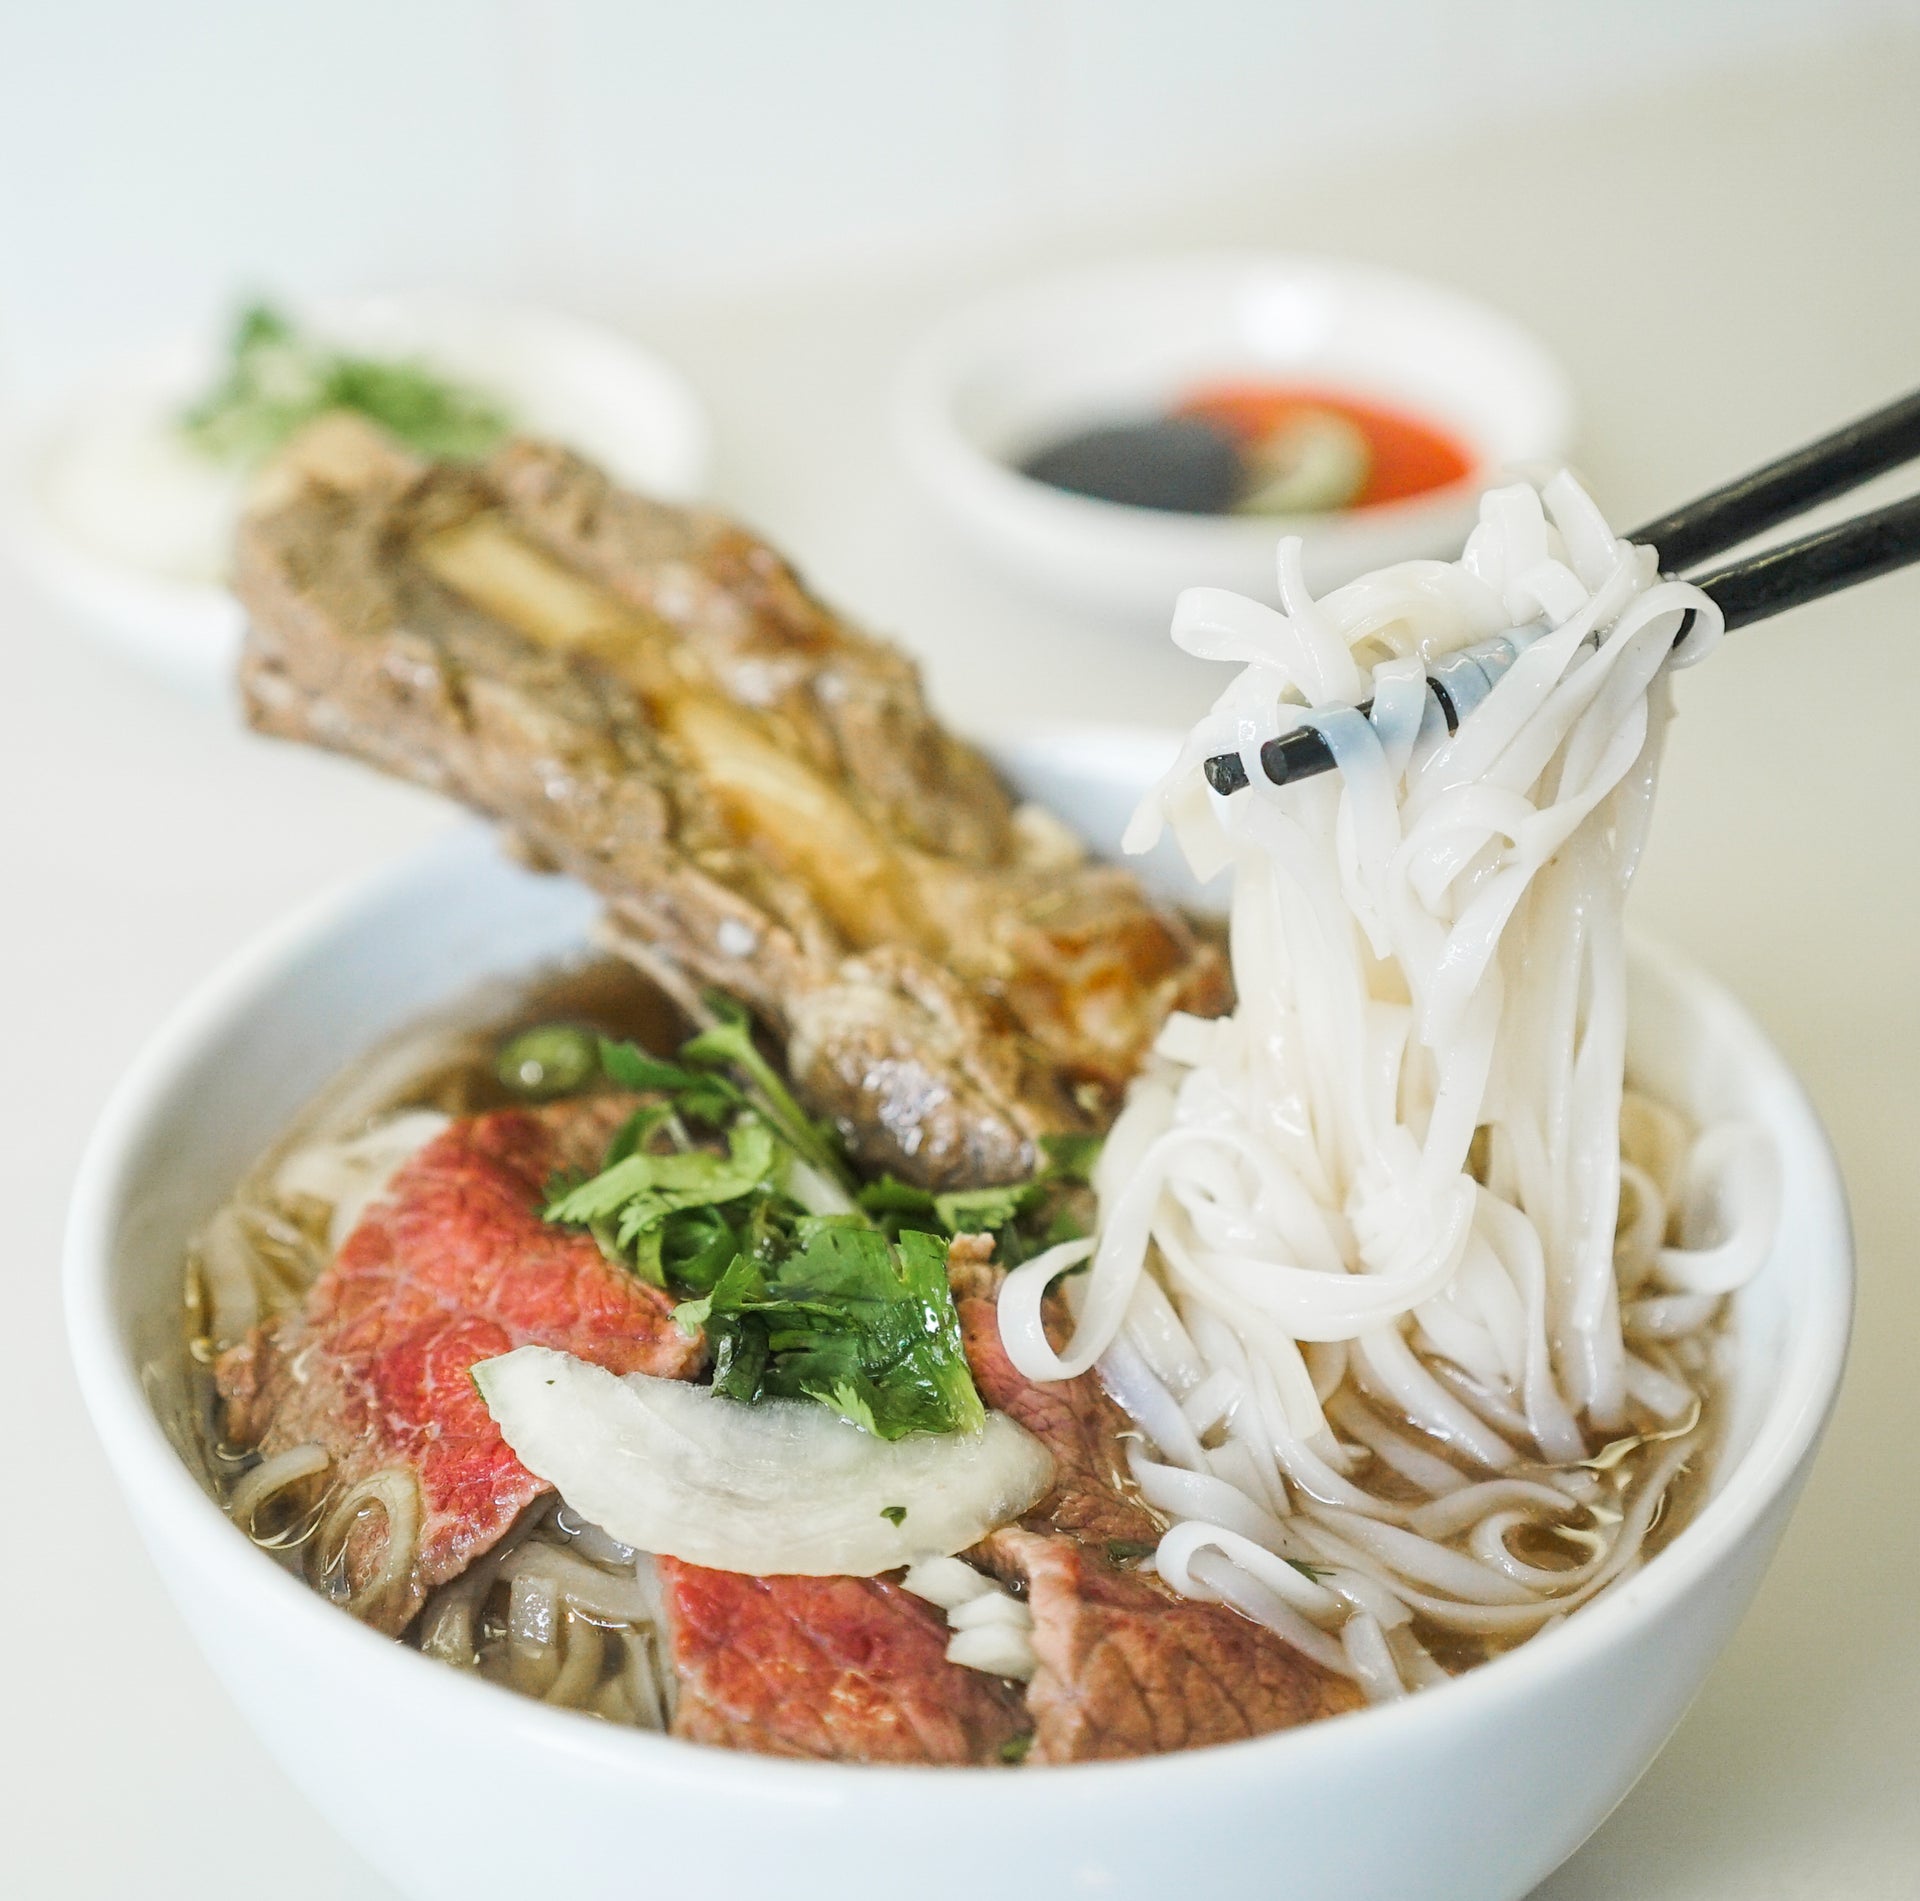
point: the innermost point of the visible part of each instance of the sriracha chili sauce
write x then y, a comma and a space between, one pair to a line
1409, 457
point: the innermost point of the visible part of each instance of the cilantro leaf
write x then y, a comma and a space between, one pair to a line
641, 1190
711, 1099
985, 1210
632, 1068
891, 1196
729, 1044
849, 1319
1024, 1216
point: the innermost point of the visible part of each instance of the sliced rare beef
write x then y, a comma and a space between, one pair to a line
649, 699
843, 1669
451, 1266
1093, 1496
1129, 1669
1126, 1667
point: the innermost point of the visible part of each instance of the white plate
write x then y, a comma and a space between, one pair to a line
150, 585
1025, 368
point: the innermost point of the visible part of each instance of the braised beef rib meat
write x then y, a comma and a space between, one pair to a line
647, 697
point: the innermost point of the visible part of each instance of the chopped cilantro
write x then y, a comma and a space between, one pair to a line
729, 1044
634, 1197
894, 1514
809, 1286
890, 1196
984, 1210
1022, 1216
860, 1323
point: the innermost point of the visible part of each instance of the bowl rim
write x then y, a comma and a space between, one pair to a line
157, 1482
943, 453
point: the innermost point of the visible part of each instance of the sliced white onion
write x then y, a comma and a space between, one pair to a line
275, 1475
348, 1176
782, 1487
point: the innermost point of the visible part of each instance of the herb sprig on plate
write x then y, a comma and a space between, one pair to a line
277, 380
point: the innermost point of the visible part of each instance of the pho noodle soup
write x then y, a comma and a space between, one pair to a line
1385, 1329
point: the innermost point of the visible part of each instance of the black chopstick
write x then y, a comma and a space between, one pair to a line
1796, 572
1767, 496
1745, 591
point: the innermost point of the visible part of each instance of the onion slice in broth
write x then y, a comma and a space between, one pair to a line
780, 1487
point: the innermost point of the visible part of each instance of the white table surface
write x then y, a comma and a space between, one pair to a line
1726, 270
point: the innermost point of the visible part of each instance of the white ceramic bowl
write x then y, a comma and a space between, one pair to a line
1473, 1791
575, 382
1023, 369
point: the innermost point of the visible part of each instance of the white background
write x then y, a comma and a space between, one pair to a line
1718, 235
155, 154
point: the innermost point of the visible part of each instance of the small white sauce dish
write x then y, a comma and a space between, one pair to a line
1010, 375
126, 528
1471, 1792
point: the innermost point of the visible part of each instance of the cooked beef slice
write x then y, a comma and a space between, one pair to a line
1128, 1669
453, 1265
844, 1669
649, 699
1093, 1496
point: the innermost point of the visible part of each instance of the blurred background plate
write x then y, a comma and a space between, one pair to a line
126, 528
1010, 375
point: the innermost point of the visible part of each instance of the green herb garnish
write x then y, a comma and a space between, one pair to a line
1129, 1550
1024, 1217
1314, 1571
278, 380
894, 1514
808, 1285
802, 1294
1014, 1750
632, 1199
850, 1319
729, 1044
1070, 1158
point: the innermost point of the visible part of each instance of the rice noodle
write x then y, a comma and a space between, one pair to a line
1370, 1250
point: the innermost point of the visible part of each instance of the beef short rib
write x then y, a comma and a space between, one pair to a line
647, 698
